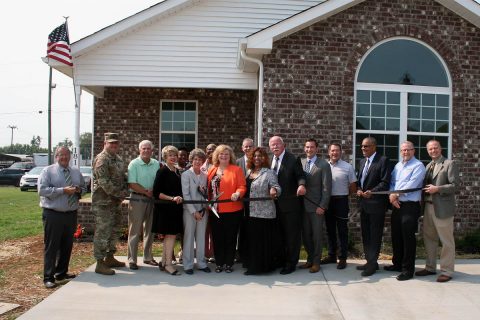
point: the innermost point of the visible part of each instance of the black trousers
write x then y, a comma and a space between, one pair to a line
404, 242
291, 226
336, 219
224, 232
372, 233
58, 228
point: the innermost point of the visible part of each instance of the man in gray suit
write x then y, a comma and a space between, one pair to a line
319, 187
440, 180
247, 146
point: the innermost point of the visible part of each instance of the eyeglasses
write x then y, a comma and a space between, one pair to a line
364, 146
405, 150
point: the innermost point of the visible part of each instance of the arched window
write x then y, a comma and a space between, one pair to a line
402, 92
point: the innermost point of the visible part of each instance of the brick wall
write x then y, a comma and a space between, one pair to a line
224, 116
309, 80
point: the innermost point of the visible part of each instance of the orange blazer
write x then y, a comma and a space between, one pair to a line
233, 180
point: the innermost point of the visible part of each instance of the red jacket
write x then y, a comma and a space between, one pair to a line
233, 180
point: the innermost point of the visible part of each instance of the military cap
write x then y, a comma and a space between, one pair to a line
111, 137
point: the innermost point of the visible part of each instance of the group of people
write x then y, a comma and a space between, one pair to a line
252, 209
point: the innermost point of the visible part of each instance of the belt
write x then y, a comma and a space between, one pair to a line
139, 194
428, 201
338, 197
409, 201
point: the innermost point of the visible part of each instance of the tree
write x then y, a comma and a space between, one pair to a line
86, 145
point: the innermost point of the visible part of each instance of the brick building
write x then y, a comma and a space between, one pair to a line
193, 72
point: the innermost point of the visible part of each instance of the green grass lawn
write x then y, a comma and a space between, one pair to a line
20, 214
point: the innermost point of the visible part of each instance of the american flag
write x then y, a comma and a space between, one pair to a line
59, 45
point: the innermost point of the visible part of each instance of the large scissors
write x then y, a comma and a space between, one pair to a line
211, 207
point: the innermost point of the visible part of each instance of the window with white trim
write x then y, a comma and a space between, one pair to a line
402, 92
178, 123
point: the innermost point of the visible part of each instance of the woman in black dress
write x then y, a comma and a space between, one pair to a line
167, 219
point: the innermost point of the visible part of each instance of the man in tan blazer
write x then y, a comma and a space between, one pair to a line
440, 181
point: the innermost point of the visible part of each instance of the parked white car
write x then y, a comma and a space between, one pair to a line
87, 176
29, 180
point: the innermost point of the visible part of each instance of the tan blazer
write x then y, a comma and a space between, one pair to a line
446, 177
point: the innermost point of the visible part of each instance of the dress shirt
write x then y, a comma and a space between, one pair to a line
312, 161
50, 187
143, 173
343, 175
279, 162
408, 175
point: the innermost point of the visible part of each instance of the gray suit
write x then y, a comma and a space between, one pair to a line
319, 188
439, 209
241, 163
194, 231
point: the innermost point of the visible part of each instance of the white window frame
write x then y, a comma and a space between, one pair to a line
403, 90
173, 131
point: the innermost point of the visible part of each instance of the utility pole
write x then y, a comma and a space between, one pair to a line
11, 140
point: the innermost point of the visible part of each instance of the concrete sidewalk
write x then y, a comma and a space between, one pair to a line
148, 293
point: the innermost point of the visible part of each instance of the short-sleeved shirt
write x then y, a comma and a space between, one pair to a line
143, 173
343, 175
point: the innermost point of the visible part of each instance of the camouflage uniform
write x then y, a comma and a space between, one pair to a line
109, 189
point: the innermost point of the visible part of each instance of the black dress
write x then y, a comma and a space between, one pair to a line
263, 250
167, 217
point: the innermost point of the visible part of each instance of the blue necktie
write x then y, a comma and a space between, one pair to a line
365, 171
68, 182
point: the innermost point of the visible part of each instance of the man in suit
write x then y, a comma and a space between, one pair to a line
407, 174
319, 187
441, 179
247, 146
374, 175
292, 181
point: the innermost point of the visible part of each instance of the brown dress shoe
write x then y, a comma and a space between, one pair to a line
443, 278
314, 268
305, 265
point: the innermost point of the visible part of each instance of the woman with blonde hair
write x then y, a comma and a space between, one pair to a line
168, 216
227, 182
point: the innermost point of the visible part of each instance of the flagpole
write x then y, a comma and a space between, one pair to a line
49, 113
77, 94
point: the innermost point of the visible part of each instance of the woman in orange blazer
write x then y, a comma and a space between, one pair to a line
227, 179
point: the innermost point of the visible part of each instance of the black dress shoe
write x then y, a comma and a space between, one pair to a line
342, 264
287, 270
368, 271
364, 266
329, 259
405, 276
424, 272
392, 267
206, 270
189, 271
133, 266
65, 277
49, 284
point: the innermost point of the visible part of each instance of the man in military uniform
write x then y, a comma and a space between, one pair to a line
109, 190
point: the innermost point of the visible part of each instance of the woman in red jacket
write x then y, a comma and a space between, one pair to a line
227, 179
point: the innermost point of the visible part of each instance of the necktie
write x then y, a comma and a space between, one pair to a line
68, 182
307, 166
430, 174
275, 166
365, 171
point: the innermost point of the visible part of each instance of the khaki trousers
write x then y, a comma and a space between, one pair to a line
435, 229
140, 217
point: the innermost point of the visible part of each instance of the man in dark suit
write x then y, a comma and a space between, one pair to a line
289, 208
374, 175
247, 146
319, 187
441, 179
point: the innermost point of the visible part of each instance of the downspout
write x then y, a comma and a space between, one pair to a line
260, 94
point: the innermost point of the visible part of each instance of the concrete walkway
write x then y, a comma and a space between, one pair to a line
148, 293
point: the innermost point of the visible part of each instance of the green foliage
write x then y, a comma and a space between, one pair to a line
470, 243
24, 148
20, 215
